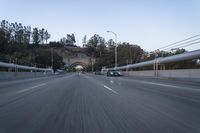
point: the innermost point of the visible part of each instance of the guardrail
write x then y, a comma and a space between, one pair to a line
161, 60
16, 66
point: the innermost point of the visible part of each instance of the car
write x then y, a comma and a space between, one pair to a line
113, 73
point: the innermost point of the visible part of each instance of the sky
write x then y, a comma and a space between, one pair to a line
148, 23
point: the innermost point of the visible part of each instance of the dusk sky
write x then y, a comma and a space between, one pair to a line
148, 23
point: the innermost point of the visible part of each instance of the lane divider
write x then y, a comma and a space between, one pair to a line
28, 89
160, 84
108, 88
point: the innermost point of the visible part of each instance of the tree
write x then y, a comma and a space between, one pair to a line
46, 36
128, 53
84, 41
70, 40
73, 38
4, 36
27, 34
19, 33
63, 41
42, 35
111, 43
96, 46
36, 37
43, 59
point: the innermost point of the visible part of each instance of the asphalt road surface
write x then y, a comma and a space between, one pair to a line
87, 103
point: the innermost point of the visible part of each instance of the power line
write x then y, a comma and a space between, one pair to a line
178, 42
187, 45
191, 41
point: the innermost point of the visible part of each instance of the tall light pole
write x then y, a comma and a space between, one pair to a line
115, 47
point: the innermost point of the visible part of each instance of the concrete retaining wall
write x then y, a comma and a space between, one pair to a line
22, 75
182, 73
139, 73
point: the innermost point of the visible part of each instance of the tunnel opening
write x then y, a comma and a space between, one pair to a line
77, 66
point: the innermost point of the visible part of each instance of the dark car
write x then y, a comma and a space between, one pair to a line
113, 73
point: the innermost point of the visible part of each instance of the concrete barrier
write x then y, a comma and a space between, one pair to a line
139, 73
22, 75
179, 73
186, 73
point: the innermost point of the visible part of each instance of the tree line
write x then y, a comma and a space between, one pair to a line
26, 44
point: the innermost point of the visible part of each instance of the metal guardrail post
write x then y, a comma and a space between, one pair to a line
16, 67
15, 70
157, 67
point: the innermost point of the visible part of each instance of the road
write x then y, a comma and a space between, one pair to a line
87, 103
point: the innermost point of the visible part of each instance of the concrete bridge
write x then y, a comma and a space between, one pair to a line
74, 56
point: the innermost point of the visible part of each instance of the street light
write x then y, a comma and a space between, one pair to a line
115, 47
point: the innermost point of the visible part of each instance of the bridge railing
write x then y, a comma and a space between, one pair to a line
162, 60
15, 66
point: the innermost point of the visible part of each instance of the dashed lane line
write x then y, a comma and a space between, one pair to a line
28, 89
108, 88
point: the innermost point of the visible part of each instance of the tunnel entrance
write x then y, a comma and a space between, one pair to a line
78, 66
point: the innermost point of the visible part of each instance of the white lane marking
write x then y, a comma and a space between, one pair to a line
111, 81
159, 84
28, 89
110, 89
